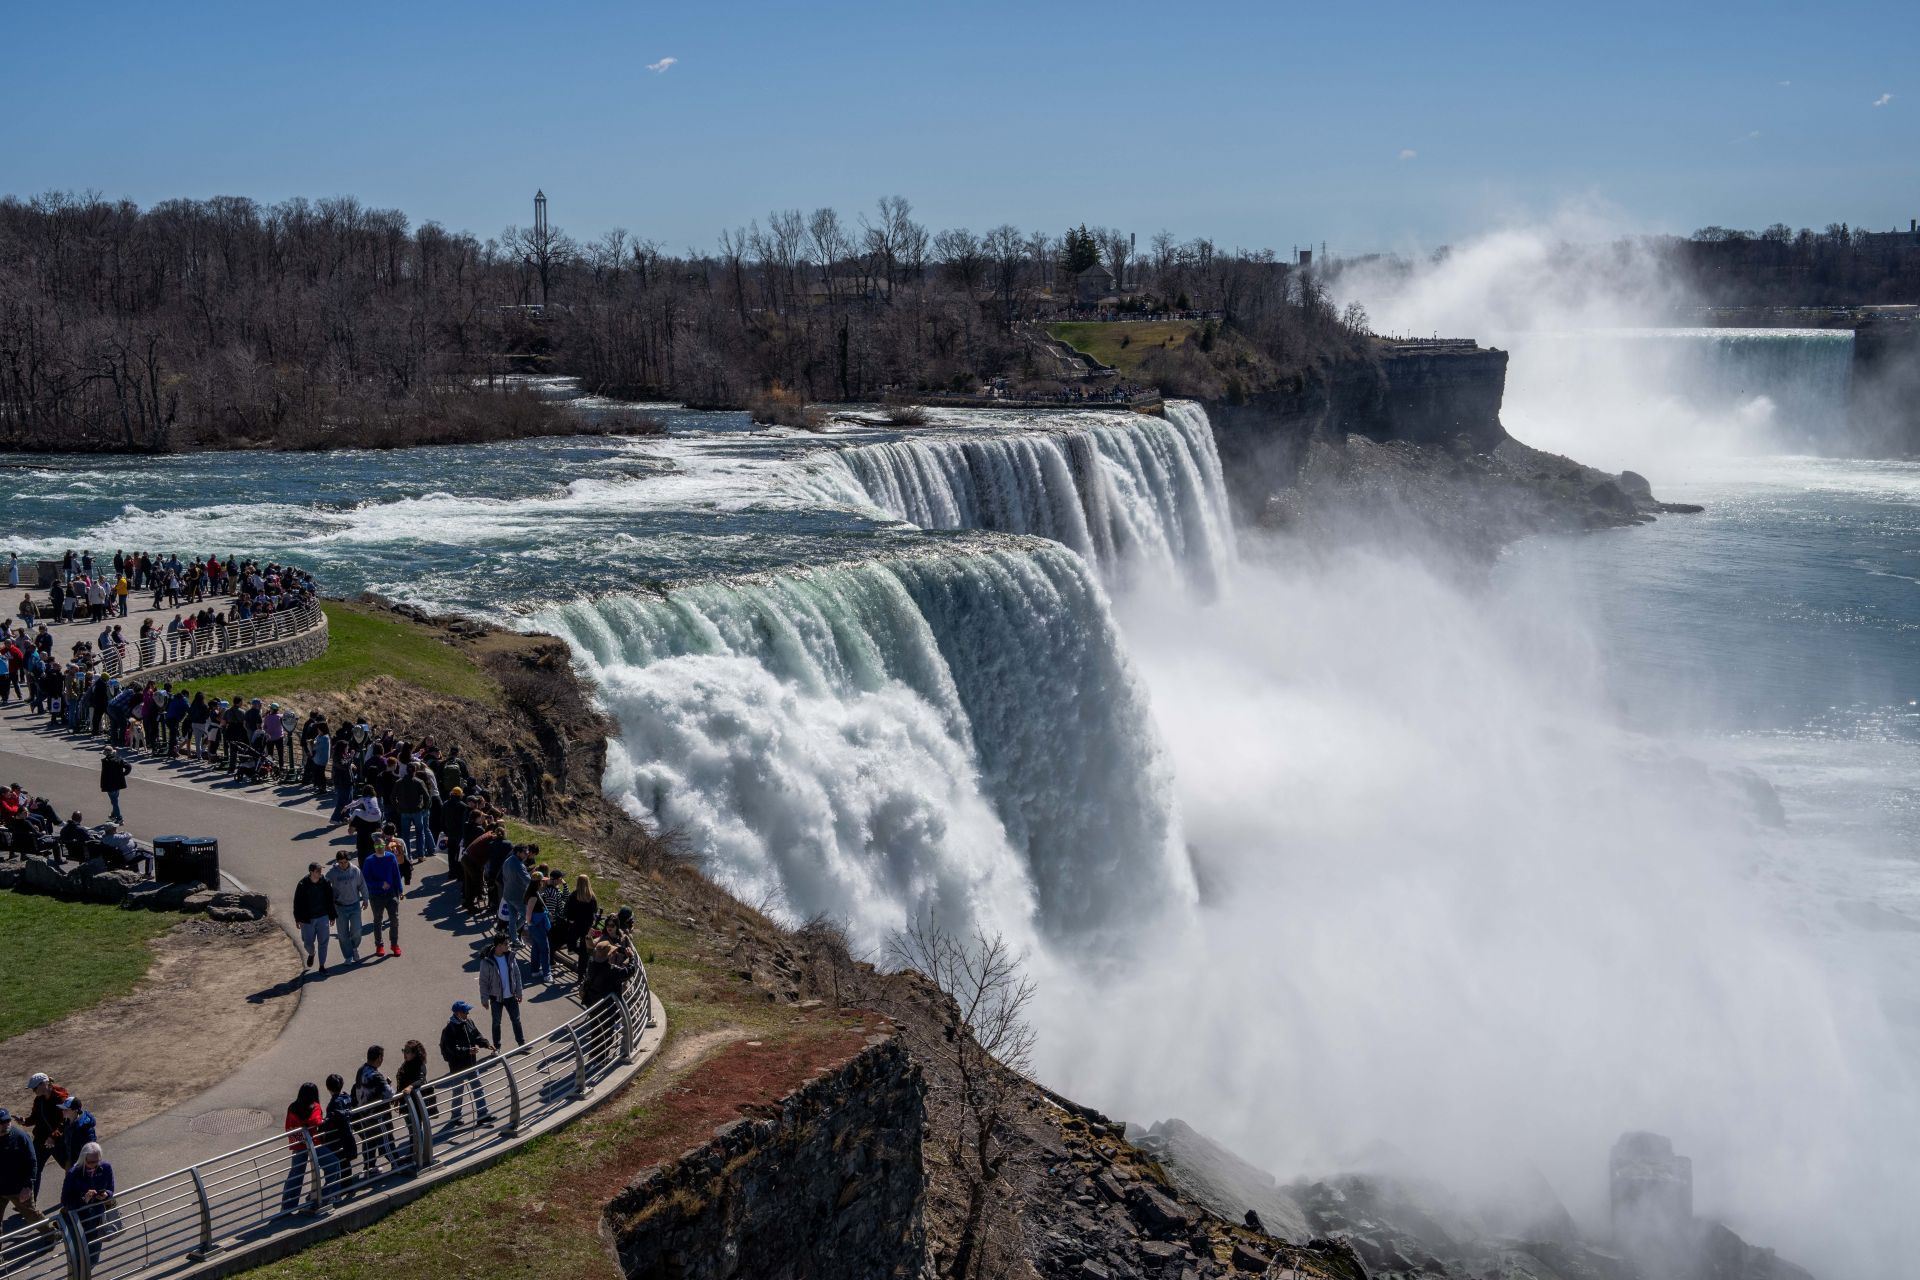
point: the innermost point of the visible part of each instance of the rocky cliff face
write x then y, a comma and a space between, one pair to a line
830, 1188
1411, 439
1402, 1227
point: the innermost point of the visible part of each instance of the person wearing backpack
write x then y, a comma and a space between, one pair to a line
336, 1144
382, 873
370, 1085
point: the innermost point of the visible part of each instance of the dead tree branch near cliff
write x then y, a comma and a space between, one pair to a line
985, 1051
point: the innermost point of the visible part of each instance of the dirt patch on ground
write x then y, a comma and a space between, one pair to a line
747, 1077
216, 994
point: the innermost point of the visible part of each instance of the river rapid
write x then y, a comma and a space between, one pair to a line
1348, 858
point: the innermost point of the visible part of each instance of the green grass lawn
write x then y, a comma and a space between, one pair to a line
1123, 344
361, 644
60, 957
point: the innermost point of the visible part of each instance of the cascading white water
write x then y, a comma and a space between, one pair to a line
1139, 496
956, 732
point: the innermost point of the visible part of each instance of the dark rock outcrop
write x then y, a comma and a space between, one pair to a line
1410, 442
829, 1189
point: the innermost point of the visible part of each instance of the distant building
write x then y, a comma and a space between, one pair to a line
1093, 284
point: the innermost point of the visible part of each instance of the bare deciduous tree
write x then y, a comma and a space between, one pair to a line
986, 1051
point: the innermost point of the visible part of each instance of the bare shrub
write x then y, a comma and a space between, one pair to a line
779, 407
908, 415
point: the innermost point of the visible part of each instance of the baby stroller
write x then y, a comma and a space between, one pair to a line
254, 766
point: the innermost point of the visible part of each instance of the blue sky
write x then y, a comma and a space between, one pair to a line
1378, 127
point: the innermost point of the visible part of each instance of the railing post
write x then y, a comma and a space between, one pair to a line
580, 1087
421, 1127
206, 1215
79, 1266
626, 1031
513, 1096
316, 1177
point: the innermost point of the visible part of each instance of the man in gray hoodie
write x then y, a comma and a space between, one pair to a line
349, 897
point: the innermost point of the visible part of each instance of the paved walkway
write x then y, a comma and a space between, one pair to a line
267, 836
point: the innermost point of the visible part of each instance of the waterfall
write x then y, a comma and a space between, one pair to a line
1137, 496
1805, 373
956, 731
1638, 397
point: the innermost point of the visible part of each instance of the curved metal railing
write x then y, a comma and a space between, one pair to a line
163, 648
290, 1180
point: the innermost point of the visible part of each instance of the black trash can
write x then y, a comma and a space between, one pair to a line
187, 860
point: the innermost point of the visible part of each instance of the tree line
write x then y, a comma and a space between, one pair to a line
1780, 267
309, 323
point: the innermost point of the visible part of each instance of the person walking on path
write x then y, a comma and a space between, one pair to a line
460, 1045
313, 912
19, 1171
500, 987
338, 1145
381, 871
113, 779
370, 1085
79, 1129
305, 1119
88, 1196
49, 1122
349, 895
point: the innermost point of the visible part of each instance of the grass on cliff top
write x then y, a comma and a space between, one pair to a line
1123, 344
362, 643
66, 956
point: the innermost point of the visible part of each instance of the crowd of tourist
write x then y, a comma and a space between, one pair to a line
227, 592
404, 802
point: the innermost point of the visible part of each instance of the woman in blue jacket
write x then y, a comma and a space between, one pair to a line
87, 1195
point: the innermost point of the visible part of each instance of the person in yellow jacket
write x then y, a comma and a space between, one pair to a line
120, 589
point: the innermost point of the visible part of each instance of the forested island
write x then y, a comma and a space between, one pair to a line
227, 323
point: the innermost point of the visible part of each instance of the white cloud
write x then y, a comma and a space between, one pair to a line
662, 65
1408, 153
1883, 100
1786, 84
1753, 133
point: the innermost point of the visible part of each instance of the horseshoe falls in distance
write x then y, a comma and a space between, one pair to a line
951, 727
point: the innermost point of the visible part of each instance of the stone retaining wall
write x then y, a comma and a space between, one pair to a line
830, 1189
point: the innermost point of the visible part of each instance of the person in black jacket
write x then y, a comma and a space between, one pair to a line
19, 1171
460, 1045
337, 1143
113, 779
313, 911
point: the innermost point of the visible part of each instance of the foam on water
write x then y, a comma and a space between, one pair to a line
888, 737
